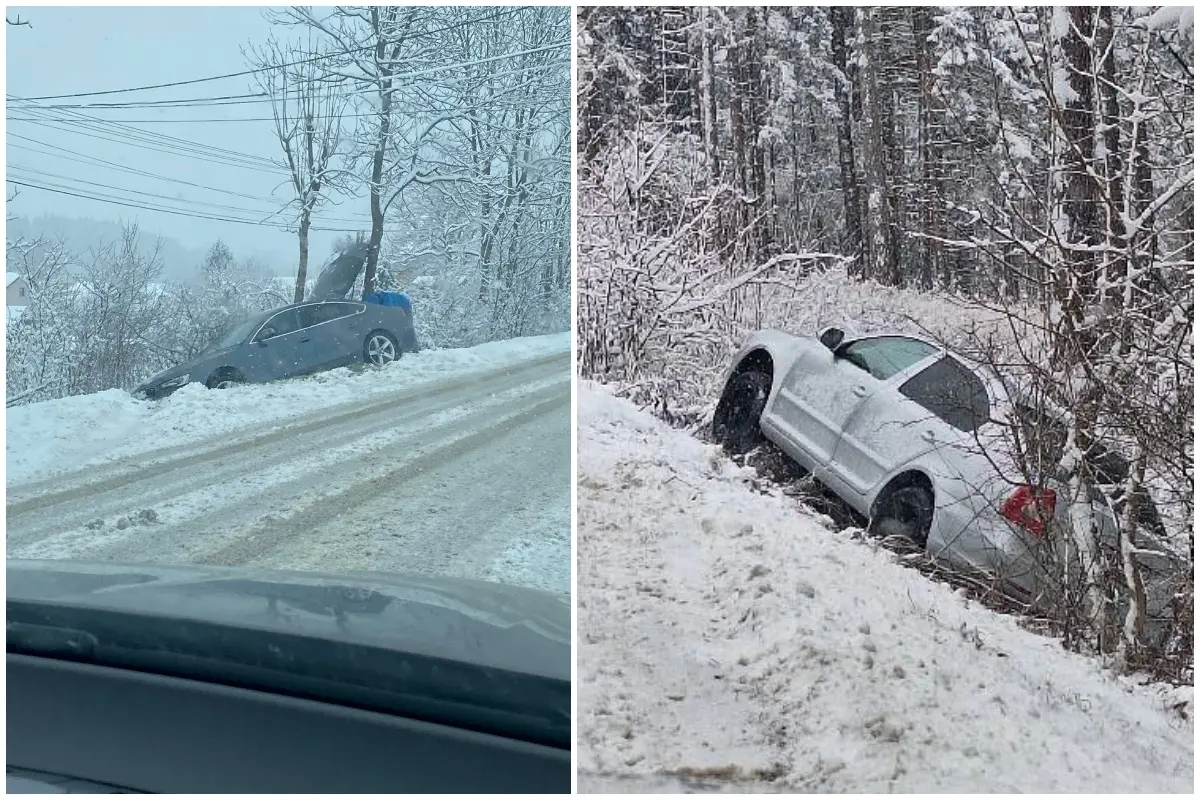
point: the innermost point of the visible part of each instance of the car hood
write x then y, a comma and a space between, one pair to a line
483, 623
198, 368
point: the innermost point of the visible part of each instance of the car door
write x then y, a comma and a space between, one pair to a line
937, 408
284, 348
345, 331
822, 390
318, 319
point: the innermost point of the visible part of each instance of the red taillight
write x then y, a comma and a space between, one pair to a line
1030, 508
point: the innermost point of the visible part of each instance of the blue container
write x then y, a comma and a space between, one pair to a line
393, 299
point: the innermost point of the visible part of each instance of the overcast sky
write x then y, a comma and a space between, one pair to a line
75, 50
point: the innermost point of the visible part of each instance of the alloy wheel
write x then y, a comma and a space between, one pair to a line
380, 350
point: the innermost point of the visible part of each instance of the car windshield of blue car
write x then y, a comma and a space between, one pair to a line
235, 336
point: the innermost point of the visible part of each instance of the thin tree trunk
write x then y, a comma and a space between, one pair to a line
841, 21
929, 251
708, 97
302, 270
386, 67
877, 222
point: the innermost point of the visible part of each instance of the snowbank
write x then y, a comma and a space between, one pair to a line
58, 436
727, 639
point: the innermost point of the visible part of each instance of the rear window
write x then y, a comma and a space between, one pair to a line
951, 392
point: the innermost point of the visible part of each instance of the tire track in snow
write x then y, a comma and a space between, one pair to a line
120, 474
264, 539
226, 477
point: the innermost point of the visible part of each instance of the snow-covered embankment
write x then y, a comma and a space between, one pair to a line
729, 641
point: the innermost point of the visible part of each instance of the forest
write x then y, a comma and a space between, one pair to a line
1015, 182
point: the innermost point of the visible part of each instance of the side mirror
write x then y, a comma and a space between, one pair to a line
264, 335
832, 338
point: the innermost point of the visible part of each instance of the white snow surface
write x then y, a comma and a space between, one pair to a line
43, 439
727, 641
450, 463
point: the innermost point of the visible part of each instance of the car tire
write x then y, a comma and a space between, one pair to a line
736, 422
905, 511
224, 379
380, 348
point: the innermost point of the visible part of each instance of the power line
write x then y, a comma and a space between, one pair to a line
96, 127
47, 109
121, 167
214, 217
271, 212
218, 206
262, 97
146, 145
91, 122
257, 70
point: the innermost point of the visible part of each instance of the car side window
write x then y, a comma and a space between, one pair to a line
884, 356
951, 392
325, 312
280, 324
345, 309
316, 314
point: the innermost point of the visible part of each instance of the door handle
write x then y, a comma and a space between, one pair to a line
306, 339
859, 391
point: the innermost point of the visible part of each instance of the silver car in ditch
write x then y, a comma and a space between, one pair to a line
911, 436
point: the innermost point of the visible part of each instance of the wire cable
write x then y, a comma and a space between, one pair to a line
244, 73
176, 212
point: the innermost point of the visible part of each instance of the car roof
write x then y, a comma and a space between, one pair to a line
312, 303
854, 337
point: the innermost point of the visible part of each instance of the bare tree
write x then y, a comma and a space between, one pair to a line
308, 123
369, 47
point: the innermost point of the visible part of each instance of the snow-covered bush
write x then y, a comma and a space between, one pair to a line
105, 320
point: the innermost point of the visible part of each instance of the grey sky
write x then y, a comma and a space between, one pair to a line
72, 50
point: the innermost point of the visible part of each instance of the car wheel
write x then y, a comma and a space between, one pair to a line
736, 422
380, 349
905, 511
224, 379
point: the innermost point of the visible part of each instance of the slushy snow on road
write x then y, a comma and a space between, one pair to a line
730, 642
424, 466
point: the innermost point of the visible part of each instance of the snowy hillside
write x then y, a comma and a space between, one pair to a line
729, 641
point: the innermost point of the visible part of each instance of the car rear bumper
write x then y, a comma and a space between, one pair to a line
980, 542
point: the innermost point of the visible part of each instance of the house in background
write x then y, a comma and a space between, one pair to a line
17, 288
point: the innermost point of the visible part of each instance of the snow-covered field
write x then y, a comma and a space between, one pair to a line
729, 642
421, 467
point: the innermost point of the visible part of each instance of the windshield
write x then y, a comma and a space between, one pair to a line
235, 336
406, 431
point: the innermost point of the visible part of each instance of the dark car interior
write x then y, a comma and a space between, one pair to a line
111, 701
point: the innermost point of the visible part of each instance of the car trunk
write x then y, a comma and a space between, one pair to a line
339, 275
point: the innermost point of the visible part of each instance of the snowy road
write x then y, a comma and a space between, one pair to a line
728, 641
466, 475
